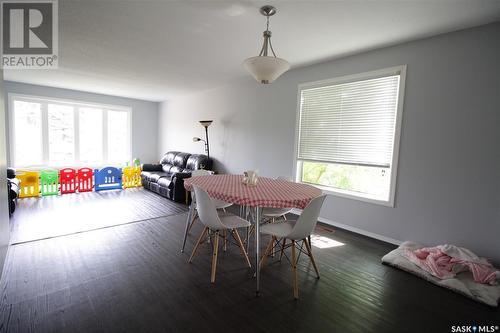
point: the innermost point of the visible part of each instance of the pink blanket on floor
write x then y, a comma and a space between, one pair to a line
445, 261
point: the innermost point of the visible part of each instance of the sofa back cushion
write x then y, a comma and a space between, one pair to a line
198, 161
180, 160
176, 169
169, 157
175, 161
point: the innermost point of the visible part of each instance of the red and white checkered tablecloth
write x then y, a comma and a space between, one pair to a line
267, 193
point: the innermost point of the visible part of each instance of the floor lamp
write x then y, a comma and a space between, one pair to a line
205, 123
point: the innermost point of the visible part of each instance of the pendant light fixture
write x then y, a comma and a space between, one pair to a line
266, 68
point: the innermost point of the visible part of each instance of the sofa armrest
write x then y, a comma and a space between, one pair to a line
181, 175
152, 167
11, 173
177, 185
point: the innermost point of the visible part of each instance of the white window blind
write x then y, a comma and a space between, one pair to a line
350, 122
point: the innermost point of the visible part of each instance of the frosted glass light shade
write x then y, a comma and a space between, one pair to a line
266, 69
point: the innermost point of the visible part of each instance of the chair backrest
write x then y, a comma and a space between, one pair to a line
201, 172
206, 209
197, 173
308, 219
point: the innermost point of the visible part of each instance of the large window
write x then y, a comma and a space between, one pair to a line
348, 134
53, 132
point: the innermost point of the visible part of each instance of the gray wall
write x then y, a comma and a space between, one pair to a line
448, 181
144, 114
4, 208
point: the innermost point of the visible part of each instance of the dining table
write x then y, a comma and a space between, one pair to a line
267, 192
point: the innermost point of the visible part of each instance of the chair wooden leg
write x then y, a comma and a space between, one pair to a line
250, 230
283, 244
308, 247
294, 272
214, 257
198, 244
263, 259
242, 247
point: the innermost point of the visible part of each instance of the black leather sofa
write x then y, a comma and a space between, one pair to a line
167, 177
12, 189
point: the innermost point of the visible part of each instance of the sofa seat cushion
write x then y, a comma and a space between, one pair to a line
147, 174
164, 181
155, 176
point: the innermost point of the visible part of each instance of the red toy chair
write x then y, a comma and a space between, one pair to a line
67, 179
85, 180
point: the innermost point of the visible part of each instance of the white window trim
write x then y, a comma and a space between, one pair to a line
44, 99
297, 165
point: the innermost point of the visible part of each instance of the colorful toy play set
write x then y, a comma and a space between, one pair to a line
68, 180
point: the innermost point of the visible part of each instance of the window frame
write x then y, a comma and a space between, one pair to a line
44, 101
297, 165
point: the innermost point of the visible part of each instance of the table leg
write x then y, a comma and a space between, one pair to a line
257, 248
188, 221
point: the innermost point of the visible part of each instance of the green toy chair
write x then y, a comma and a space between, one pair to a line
49, 182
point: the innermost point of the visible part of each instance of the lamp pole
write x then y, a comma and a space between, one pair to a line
206, 123
207, 147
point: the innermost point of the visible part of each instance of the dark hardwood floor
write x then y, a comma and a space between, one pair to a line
133, 278
38, 218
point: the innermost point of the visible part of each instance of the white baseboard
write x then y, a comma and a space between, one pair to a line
353, 229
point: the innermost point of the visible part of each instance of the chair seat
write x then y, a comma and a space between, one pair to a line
275, 212
219, 204
278, 229
232, 221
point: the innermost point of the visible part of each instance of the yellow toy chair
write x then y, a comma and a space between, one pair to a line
29, 183
131, 176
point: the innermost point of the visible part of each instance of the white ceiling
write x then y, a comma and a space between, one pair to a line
155, 50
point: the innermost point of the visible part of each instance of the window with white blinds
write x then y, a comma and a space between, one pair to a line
348, 127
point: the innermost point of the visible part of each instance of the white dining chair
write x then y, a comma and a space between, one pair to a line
295, 231
216, 223
219, 204
275, 213
270, 214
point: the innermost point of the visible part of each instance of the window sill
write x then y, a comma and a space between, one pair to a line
349, 195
